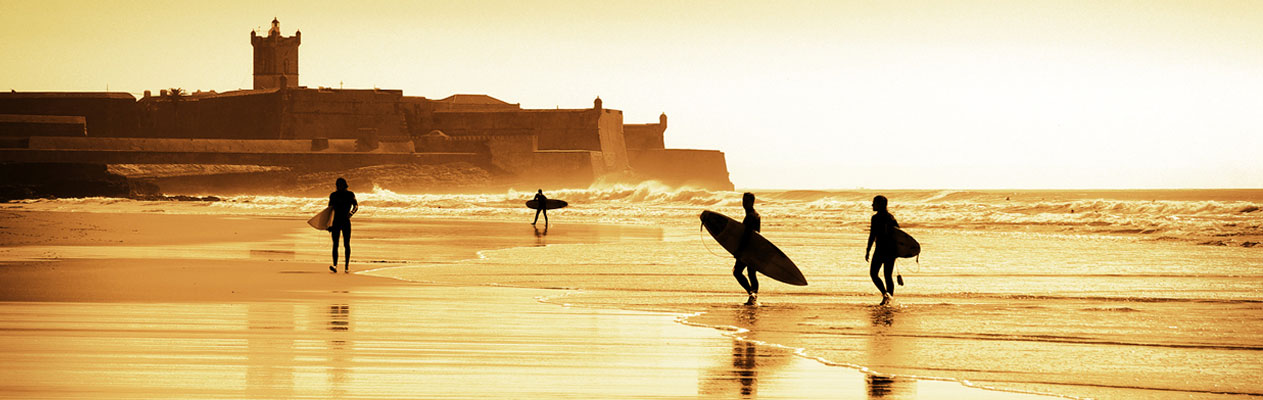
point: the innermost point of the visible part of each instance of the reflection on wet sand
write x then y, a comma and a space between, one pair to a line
339, 317
270, 350
232, 328
739, 376
274, 347
339, 323
745, 367
884, 349
540, 235
744, 356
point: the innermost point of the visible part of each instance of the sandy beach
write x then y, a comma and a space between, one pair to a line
138, 305
907, 200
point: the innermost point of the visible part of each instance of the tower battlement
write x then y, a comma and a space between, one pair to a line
275, 58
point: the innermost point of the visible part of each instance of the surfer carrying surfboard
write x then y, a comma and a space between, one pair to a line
542, 201
344, 206
882, 231
751, 223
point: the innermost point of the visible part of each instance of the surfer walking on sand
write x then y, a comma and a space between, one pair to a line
343, 203
881, 232
751, 223
543, 208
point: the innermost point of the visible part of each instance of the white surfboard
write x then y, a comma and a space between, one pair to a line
323, 220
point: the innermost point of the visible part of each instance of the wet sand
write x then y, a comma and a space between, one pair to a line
128, 306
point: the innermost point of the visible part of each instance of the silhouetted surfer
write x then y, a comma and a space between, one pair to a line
882, 232
751, 223
543, 207
344, 206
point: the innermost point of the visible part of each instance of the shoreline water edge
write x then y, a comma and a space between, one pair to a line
1094, 301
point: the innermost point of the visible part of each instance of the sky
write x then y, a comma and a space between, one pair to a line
797, 94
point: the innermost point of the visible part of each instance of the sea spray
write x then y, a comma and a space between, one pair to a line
1227, 217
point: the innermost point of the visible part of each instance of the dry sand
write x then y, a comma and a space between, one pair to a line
159, 306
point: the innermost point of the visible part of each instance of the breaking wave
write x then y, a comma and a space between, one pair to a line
1159, 214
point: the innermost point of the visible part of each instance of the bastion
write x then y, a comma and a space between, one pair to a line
281, 123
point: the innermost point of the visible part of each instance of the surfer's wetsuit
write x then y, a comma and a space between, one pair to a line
751, 222
543, 205
881, 232
343, 204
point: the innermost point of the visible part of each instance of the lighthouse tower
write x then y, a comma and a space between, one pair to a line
275, 58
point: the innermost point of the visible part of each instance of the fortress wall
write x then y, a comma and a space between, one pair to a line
288, 114
591, 130
613, 147
417, 114
562, 168
328, 113
107, 114
196, 145
555, 129
678, 167
567, 129
255, 116
21, 126
160, 118
512, 154
237, 116
644, 136
450, 106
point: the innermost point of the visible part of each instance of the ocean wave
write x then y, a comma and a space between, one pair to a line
1178, 216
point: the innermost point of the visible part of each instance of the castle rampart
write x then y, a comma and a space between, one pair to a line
104, 113
646, 136
279, 117
23, 125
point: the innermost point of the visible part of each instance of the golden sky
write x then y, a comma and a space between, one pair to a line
799, 94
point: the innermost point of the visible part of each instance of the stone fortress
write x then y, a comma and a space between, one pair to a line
281, 123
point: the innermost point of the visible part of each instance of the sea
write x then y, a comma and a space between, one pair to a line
1149, 294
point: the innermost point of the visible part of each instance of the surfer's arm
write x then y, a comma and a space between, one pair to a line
871, 238
355, 205
868, 248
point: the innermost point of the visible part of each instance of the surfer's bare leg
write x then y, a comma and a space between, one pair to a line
545, 218
537, 211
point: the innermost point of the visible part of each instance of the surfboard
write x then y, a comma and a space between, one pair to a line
905, 245
759, 253
549, 205
323, 220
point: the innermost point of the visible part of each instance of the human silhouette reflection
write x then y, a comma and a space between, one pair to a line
339, 317
745, 367
339, 324
883, 317
880, 387
883, 351
745, 355
737, 376
540, 235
